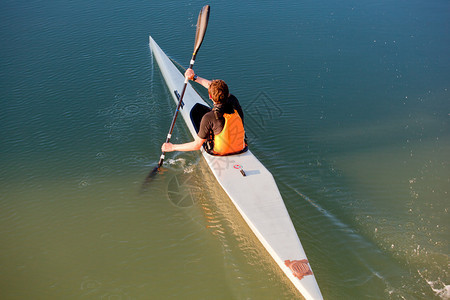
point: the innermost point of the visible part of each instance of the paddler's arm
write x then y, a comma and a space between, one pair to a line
190, 75
192, 146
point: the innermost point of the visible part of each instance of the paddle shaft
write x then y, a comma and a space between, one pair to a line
202, 24
175, 115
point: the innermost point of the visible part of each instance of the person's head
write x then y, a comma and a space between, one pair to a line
218, 91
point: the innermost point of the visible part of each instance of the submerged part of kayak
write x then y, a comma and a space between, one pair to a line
250, 186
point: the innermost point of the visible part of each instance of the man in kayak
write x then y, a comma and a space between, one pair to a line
222, 128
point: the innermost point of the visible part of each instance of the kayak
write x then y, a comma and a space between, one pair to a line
250, 186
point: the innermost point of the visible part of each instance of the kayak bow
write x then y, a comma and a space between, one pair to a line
251, 188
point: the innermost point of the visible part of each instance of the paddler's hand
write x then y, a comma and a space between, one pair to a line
167, 147
189, 74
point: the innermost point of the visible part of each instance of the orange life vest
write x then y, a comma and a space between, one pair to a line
231, 139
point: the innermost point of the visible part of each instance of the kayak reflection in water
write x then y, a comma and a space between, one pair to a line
221, 130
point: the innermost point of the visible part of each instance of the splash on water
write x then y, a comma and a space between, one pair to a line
439, 288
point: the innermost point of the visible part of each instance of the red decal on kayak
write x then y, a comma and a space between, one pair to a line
237, 167
300, 268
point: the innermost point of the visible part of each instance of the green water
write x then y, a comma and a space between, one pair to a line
346, 103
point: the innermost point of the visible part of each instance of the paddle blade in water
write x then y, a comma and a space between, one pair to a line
202, 24
149, 177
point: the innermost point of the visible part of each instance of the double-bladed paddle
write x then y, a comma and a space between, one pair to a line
202, 24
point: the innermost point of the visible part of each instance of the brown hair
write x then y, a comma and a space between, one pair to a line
218, 91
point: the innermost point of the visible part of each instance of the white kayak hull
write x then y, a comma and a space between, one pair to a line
256, 195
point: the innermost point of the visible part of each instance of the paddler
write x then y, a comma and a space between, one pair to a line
222, 128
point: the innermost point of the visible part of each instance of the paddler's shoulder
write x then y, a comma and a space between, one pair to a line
209, 116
